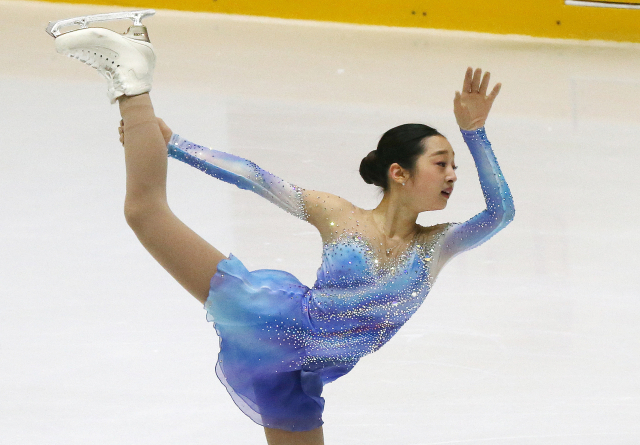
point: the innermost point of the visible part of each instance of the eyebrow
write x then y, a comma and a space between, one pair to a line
440, 152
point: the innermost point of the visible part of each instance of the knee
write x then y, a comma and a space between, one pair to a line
133, 214
138, 213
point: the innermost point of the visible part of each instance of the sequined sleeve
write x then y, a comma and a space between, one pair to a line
240, 172
500, 209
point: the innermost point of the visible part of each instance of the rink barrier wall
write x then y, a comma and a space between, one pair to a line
538, 18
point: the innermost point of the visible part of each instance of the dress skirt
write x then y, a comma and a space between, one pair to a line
262, 320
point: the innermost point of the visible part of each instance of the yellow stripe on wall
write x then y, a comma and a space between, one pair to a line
539, 18
629, 2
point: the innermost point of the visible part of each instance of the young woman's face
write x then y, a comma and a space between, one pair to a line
434, 175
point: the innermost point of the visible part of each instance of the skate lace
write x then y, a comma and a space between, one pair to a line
108, 68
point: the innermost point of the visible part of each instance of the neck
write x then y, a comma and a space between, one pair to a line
397, 221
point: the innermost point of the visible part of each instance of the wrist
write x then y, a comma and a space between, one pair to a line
175, 140
471, 131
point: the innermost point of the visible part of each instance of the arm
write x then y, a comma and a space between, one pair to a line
241, 173
317, 208
500, 209
471, 108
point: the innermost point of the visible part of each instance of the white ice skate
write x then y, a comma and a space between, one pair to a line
125, 60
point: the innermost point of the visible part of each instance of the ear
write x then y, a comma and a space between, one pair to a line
398, 174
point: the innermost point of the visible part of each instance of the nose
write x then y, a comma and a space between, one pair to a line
451, 175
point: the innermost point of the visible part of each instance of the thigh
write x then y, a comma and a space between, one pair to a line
190, 259
282, 437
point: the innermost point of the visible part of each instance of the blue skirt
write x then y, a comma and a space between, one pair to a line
262, 320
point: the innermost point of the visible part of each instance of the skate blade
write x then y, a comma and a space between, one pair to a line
53, 29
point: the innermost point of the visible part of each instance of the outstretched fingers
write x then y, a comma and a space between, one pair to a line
165, 130
475, 83
472, 105
466, 85
457, 103
494, 93
485, 83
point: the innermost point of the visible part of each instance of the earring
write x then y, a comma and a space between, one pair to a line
403, 184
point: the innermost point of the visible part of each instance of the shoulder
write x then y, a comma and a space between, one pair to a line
431, 231
323, 203
431, 240
324, 208
429, 234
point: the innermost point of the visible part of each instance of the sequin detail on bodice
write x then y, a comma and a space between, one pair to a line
357, 305
360, 298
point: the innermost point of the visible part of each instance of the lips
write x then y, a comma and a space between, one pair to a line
447, 192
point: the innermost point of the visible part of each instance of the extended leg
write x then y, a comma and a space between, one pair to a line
185, 255
281, 437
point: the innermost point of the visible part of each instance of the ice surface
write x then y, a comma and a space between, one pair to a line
529, 339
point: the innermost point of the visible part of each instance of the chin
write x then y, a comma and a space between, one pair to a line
433, 207
442, 205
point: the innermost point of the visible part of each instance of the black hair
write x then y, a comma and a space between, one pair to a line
402, 145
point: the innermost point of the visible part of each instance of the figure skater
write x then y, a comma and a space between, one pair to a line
281, 341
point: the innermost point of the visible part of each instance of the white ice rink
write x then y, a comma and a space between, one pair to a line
532, 338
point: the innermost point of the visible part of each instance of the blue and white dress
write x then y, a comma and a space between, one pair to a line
281, 341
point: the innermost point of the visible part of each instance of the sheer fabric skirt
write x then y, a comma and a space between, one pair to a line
263, 325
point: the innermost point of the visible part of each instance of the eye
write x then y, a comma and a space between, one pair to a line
444, 165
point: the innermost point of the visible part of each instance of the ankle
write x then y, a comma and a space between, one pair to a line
140, 100
137, 110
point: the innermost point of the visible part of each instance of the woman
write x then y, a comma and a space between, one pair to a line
281, 341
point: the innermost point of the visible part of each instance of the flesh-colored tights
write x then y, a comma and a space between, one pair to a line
191, 260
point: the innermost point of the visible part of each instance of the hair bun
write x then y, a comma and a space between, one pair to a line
370, 170
401, 145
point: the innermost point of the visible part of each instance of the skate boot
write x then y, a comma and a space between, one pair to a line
125, 60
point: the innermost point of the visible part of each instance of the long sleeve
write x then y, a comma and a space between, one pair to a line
500, 209
240, 172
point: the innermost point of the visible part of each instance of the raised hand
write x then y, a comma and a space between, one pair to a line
165, 130
472, 106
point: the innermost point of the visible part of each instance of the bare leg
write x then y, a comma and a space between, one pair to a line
185, 255
281, 437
